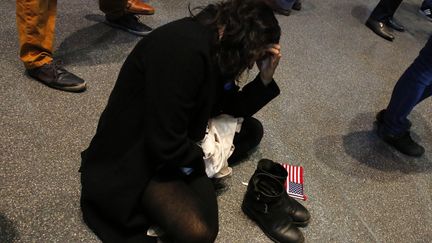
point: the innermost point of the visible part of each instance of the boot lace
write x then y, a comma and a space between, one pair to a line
56, 67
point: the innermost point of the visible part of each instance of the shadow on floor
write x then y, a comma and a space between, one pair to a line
96, 44
362, 154
361, 13
8, 231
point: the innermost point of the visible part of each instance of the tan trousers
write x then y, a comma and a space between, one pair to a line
36, 22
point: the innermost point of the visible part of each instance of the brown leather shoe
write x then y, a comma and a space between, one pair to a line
138, 7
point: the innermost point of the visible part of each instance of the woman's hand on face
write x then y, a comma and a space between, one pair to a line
268, 64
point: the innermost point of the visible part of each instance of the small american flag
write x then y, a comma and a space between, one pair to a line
294, 181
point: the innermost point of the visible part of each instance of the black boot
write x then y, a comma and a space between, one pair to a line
263, 203
402, 142
298, 212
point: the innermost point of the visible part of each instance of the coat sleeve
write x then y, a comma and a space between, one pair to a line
250, 99
174, 82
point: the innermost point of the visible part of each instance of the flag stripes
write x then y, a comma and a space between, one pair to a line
294, 181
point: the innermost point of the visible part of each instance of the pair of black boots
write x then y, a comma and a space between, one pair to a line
267, 203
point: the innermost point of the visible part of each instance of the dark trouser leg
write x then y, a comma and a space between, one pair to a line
284, 4
385, 9
249, 137
426, 4
413, 86
185, 207
113, 9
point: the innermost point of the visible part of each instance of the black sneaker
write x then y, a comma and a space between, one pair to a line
55, 76
403, 143
129, 23
427, 12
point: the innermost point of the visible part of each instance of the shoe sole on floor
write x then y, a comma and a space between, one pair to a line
76, 89
126, 29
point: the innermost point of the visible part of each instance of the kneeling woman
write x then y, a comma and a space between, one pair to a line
173, 82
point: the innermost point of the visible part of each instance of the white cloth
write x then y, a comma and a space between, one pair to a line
218, 144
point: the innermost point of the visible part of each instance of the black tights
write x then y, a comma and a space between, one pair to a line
185, 207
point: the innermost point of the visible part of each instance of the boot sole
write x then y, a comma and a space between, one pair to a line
252, 217
76, 89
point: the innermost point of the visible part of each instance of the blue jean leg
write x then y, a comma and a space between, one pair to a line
426, 4
285, 4
413, 86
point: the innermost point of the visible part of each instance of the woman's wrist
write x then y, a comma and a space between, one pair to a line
265, 80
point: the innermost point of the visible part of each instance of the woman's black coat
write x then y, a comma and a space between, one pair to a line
165, 93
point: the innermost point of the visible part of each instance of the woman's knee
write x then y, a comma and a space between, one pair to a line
201, 232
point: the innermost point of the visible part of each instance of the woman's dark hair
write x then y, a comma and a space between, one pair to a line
248, 27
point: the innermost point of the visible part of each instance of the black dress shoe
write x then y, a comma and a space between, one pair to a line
297, 5
55, 76
129, 23
392, 23
403, 142
379, 28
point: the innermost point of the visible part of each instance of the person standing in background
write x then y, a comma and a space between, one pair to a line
36, 24
413, 87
